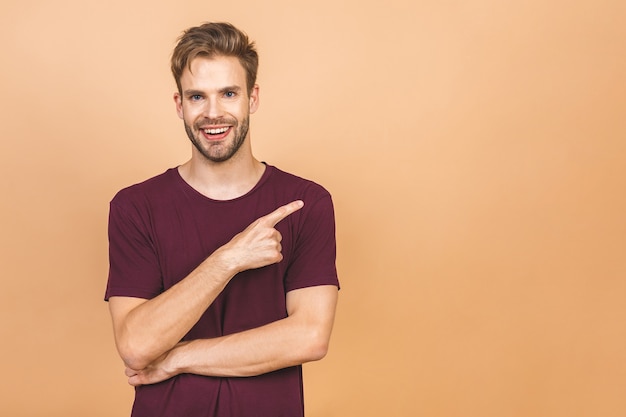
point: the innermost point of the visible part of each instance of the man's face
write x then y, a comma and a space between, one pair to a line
215, 106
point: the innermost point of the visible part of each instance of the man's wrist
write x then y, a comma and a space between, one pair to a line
176, 362
221, 260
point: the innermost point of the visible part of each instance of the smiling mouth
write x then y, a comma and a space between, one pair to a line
216, 131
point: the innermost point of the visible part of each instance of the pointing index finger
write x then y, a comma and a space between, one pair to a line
281, 212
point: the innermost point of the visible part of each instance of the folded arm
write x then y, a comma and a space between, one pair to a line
145, 330
301, 337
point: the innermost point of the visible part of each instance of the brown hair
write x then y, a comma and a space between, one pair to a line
215, 39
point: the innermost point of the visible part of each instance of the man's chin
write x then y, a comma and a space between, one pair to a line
216, 155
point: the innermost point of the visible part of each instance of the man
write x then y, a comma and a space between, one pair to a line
222, 276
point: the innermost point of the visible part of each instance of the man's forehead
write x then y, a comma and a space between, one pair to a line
218, 63
221, 70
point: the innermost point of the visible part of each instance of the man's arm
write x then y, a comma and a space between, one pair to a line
147, 329
301, 337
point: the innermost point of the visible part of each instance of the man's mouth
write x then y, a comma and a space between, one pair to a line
216, 133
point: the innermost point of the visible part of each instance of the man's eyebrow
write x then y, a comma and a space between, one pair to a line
192, 92
189, 93
234, 88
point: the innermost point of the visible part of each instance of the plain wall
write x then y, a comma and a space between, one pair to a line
476, 152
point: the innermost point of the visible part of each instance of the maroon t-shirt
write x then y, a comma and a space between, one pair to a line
162, 229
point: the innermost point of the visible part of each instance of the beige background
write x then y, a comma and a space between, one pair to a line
476, 152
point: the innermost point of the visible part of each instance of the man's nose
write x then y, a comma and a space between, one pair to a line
213, 109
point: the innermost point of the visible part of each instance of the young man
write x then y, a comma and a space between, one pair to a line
222, 276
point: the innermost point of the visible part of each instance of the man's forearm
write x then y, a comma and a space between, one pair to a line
275, 346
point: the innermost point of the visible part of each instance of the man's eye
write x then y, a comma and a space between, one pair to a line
230, 94
196, 97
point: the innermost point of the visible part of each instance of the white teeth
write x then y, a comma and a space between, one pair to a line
215, 131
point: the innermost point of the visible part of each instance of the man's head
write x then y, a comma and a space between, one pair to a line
211, 40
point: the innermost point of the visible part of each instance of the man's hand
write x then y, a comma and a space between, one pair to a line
259, 244
150, 375
159, 370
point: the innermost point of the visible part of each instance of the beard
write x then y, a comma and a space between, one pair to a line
223, 151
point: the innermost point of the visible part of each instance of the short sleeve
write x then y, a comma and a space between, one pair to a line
133, 262
314, 256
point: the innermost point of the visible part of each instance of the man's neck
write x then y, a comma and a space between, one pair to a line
222, 180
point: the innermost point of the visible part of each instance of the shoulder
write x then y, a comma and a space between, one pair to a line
148, 191
297, 185
318, 210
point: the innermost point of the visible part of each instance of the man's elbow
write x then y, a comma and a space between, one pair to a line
135, 356
318, 352
135, 362
317, 346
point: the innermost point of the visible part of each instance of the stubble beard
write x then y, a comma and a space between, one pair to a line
219, 152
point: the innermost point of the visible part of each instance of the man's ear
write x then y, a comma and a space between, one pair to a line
178, 99
254, 98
